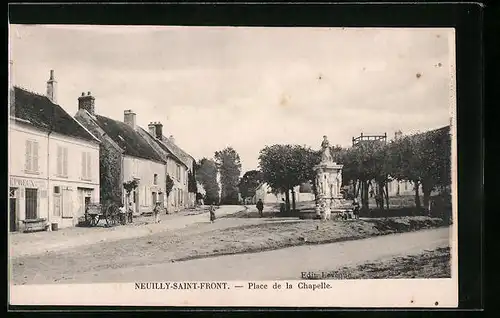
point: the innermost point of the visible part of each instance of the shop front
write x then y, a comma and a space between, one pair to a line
27, 201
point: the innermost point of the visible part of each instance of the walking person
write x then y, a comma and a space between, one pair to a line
260, 207
212, 213
156, 212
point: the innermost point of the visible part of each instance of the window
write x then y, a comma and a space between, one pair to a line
31, 164
62, 161
31, 196
155, 179
57, 201
86, 166
178, 173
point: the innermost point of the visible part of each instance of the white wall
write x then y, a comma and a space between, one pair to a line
144, 170
46, 177
178, 201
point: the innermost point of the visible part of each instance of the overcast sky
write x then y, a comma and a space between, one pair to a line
246, 87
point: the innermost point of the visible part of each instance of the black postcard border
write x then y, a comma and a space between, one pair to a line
466, 18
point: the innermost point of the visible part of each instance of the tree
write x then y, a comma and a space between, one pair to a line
229, 167
367, 161
435, 165
169, 184
207, 175
130, 186
286, 166
423, 159
192, 186
249, 183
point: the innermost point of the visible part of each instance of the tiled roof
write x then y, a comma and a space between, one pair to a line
178, 152
132, 143
161, 145
42, 113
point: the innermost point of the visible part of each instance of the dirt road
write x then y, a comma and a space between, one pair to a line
279, 264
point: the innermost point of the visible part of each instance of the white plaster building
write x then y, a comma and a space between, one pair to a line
53, 161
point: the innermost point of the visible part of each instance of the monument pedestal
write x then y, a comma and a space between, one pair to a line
328, 183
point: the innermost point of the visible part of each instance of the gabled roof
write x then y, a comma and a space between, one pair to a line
163, 147
132, 143
178, 152
40, 112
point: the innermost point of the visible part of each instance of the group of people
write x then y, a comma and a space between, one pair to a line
127, 214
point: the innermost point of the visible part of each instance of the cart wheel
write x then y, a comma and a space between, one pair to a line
111, 215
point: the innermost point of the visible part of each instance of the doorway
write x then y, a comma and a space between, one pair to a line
86, 203
31, 197
13, 210
154, 198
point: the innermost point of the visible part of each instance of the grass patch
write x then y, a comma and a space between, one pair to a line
430, 264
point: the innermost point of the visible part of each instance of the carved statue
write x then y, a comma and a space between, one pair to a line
326, 155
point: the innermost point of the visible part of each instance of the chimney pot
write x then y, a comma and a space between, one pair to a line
88, 93
52, 88
87, 103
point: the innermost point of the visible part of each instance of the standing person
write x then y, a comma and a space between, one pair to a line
282, 206
212, 213
260, 207
156, 212
130, 213
355, 210
123, 212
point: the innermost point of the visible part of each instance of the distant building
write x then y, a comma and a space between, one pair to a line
303, 193
125, 156
53, 160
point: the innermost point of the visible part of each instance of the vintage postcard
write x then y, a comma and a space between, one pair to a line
232, 166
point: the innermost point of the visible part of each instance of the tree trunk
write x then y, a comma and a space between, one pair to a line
387, 195
293, 200
287, 200
364, 199
417, 196
427, 195
381, 195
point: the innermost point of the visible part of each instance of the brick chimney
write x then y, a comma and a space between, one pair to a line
129, 118
158, 130
87, 102
152, 129
52, 87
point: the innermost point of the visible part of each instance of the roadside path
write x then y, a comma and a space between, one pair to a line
28, 244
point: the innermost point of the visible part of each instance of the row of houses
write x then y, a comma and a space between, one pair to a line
58, 163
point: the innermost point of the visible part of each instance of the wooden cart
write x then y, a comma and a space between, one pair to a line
96, 212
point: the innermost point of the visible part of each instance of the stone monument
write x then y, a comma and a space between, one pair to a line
328, 182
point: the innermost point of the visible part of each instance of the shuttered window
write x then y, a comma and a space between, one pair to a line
65, 162
31, 162
89, 165
86, 166
62, 161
